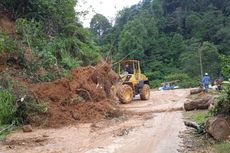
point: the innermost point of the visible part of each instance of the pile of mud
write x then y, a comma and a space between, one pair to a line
83, 96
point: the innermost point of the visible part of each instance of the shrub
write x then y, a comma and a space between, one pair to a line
183, 79
7, 109
157, 75
7, 43
68, 62
12, 108
155, 83
29, 30
200, 116
223, 102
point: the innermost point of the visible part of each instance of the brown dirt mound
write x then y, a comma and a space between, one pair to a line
84, 96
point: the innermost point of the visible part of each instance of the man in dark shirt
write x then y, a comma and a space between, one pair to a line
128, 68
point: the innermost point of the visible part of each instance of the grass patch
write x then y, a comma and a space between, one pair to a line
4, 130
222, 147
198, 116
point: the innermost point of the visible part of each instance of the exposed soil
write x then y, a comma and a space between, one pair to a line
6, 23
144, 131
84, 96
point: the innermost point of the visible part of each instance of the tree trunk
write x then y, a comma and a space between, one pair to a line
195, 91
218, 127
198, 104
191, 124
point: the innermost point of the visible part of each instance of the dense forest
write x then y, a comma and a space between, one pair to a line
169, 37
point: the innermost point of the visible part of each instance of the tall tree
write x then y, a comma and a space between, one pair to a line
99, 25
132, 39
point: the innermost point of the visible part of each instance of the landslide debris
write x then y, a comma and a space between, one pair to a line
83, 96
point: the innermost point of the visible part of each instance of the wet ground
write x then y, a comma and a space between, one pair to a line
155, 127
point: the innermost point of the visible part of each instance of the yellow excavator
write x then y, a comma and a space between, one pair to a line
132, 82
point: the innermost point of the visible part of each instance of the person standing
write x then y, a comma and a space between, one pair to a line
206, 80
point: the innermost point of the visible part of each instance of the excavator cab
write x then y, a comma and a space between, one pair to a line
133, 82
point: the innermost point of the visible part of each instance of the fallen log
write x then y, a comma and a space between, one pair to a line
218, 127
196, 91
199, 128
198, 104
191, 124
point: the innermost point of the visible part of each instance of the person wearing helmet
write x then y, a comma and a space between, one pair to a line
206, 80
128, 69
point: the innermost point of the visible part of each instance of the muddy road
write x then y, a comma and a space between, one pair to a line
154, 127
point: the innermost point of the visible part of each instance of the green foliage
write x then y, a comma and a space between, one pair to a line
225, 66
7, 130
16, 104
7, 43
184, 81
69, 62
222, 147
99, 25
210, 59
200, 116
155, 83
189, 60
7, 110
132, 39
32, 109
29, 30
223, 102
156, 78
50, 29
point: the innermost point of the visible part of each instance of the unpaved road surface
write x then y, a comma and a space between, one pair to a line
154, 127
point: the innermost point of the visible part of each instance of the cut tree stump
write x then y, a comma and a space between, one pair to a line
196, 91
218, 127
198, 104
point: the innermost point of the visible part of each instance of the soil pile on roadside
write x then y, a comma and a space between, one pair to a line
83, 96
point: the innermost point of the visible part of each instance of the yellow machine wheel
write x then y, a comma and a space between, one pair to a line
145, 92
125, 94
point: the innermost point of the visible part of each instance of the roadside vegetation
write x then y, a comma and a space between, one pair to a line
222, 147
199, 116
41, 41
